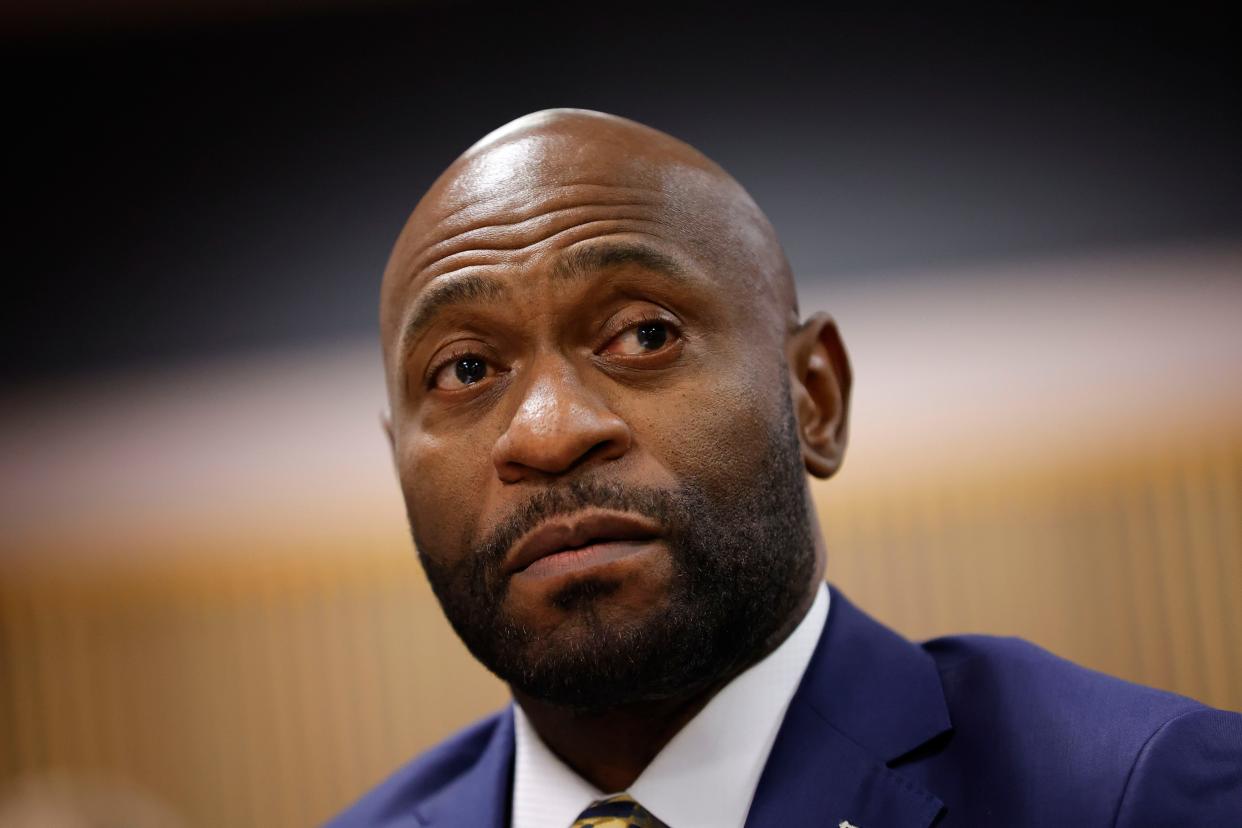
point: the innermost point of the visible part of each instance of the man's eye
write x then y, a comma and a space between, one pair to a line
643, 338
461, 372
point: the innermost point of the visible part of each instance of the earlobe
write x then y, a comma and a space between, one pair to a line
820, 385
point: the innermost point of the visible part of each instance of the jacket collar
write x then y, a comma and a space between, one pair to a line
868, 698
480, 795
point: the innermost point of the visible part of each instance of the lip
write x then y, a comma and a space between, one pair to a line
589, 528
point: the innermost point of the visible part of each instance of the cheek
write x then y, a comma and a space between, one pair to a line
442, 480
716, 431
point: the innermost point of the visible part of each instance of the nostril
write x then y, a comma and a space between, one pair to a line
603, 448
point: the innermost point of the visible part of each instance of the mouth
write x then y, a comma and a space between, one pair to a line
583, 539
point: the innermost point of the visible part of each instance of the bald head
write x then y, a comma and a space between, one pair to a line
558, 175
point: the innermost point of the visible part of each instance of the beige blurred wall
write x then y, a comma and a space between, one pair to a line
208, 596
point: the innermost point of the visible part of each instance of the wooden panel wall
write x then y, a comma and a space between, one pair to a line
269, 686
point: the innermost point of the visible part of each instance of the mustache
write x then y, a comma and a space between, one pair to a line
662, 505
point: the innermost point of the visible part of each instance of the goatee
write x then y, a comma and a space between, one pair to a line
742, 564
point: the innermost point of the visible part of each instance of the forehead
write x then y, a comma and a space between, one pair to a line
522, 166
514, 203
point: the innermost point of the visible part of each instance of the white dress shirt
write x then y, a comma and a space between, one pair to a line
706, 776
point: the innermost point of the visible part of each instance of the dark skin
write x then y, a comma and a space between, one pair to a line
581, 295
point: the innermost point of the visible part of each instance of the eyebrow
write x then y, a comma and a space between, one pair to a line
574, 264
583, 262
438, 296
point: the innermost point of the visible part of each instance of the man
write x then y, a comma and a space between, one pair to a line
603, 405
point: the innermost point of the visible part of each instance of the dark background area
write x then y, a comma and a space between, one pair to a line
211, 183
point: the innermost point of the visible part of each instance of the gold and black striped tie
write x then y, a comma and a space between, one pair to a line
620, 811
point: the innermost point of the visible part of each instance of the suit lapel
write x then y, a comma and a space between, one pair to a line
480, 796
868, 697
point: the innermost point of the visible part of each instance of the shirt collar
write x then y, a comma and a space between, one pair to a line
706, 776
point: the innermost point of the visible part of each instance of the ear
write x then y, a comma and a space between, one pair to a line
820, 385
386, 423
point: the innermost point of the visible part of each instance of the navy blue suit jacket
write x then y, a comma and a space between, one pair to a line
961, 731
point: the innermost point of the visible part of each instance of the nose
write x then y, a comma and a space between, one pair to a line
559, 425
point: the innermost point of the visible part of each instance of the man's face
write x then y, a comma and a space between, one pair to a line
592, 425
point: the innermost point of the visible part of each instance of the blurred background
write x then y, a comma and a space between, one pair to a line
1028, 224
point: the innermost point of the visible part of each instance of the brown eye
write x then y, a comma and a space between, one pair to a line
651, 336
643, 338
461, 372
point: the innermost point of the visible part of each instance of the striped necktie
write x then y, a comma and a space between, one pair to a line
620, 811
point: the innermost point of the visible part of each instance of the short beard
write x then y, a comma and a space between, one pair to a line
742, 562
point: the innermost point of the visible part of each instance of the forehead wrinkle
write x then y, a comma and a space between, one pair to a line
501, 254
533, 190
451, 210
527, 202
484, 229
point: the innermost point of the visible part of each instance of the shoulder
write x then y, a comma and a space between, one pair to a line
395, 800
1078, 730
1021, 679
1188, 771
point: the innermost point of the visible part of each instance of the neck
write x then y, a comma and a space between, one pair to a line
633, 734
